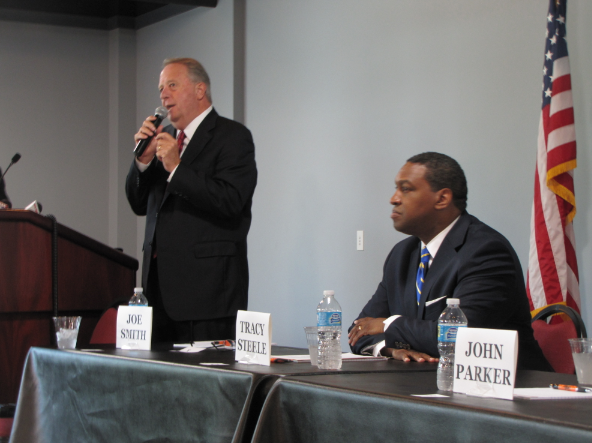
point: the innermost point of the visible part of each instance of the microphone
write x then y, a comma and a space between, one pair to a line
15, 158
160, 114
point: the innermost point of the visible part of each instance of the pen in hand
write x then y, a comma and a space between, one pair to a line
570, 388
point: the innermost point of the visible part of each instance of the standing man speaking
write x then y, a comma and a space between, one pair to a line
195, 183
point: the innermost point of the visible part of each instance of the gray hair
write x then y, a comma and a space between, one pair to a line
196, 72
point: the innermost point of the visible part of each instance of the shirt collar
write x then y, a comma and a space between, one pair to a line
192, 127
436, 242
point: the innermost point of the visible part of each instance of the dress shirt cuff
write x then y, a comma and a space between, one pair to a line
172, 173
142, 166
389, 320
378, 347
373, 350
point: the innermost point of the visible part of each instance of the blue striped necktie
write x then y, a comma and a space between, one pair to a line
421, 271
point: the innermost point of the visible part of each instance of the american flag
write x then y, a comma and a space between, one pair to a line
552, 268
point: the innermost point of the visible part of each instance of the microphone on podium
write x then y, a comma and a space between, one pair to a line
5, 202
15, 158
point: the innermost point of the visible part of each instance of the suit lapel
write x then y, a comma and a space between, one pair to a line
201, 137
446, 254
411, 299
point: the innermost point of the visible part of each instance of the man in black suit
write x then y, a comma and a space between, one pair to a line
467, 260
4, 200
195, 183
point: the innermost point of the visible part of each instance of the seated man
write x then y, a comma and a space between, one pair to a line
463, 258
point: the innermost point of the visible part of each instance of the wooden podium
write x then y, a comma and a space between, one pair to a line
90, 277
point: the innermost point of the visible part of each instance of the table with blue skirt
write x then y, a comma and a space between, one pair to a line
160, 395
384, 407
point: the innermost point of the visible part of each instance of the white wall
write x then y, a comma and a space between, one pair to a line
579, 37
339, 93
122, 230
204, 34
54, 95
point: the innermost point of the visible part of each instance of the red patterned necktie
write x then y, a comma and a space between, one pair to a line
180, 140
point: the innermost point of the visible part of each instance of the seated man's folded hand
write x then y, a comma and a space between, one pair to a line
365, 326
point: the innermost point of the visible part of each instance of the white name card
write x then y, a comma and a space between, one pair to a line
485, 362
253, 338
134, 327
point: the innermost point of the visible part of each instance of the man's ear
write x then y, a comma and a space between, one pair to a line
444, 198
200, 90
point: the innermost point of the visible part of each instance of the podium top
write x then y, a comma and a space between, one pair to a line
40, 221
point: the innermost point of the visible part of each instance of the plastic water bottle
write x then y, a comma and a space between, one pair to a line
329, 330
138, 299
450, 320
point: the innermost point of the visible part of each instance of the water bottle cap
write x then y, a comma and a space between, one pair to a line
329, 292
138, 289
452, 301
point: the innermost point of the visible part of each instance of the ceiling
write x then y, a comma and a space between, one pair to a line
97, 14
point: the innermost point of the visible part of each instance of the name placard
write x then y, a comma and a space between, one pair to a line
134, 327
485, 362
253, 338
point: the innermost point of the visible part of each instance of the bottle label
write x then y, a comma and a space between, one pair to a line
328, 318
447, 333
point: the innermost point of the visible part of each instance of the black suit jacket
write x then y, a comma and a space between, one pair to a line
3, 197
200, 220
475, 264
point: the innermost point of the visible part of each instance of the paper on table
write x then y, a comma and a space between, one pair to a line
192, 349
199, 346
196, 344
549, 394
